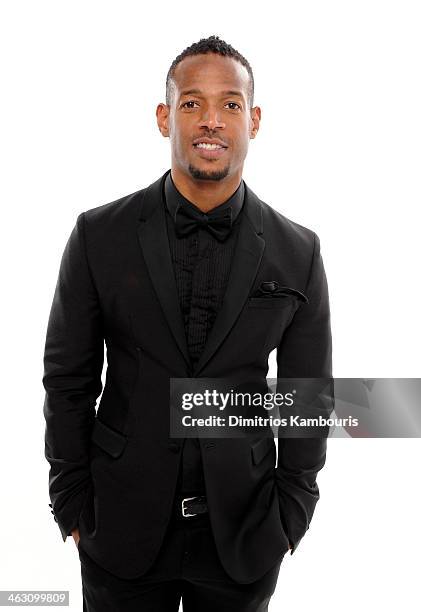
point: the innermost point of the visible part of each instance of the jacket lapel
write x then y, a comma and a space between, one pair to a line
247, 256
153, 239
245, 264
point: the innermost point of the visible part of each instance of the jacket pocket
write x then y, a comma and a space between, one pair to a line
261, 448
270, 302
277, 298
110, 440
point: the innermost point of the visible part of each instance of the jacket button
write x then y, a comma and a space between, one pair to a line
174, 447
210, 445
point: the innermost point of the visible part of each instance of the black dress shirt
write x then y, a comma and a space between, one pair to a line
201, 266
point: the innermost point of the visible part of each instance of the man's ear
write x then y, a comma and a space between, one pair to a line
256, 115
162, 119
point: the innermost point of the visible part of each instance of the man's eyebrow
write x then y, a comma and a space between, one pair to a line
229, 92
187, 92
232, 92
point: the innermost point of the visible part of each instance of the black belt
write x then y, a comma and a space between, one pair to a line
187, 507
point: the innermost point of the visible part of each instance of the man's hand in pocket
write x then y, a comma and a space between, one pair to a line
76, 536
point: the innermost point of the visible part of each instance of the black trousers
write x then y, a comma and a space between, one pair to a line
187, 568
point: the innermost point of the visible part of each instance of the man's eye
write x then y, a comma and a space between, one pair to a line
235, 104
189, 102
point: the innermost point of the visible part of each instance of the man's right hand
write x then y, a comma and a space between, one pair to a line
76, 537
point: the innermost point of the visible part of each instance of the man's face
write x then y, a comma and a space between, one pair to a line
209, 121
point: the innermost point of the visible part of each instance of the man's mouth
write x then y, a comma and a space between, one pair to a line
209, 150
210, 147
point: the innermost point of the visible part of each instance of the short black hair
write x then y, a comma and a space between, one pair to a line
212, 44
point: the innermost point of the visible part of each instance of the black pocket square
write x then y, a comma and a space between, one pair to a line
271, 289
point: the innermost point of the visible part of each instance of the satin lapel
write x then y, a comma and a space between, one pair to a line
153, 240
245, 264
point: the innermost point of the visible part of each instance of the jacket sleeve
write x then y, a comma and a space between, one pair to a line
305, 351
73, 361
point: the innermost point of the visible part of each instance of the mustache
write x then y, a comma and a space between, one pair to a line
210, 135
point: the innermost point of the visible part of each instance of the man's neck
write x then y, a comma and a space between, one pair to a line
206, 195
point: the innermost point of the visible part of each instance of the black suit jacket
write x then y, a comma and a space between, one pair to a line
113, 472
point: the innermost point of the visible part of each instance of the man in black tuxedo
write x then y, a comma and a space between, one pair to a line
193, 276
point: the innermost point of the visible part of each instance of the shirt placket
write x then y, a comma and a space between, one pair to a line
200, 293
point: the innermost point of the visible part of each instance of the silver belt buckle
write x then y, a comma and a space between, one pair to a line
183, 512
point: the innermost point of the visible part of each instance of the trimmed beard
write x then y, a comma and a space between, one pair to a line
206, 175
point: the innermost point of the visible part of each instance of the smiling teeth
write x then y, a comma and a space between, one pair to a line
205, 145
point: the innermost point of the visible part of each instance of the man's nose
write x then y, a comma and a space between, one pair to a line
211, 118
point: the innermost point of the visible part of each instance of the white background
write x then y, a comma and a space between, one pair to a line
338, 151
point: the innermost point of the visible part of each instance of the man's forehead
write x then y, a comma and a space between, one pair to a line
226, 73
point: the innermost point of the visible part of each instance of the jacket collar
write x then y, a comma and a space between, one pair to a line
174, 199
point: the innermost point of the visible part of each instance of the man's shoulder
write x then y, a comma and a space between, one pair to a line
124, 211
284, 228
124, 207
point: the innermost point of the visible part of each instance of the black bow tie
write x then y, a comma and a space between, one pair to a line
187, 219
